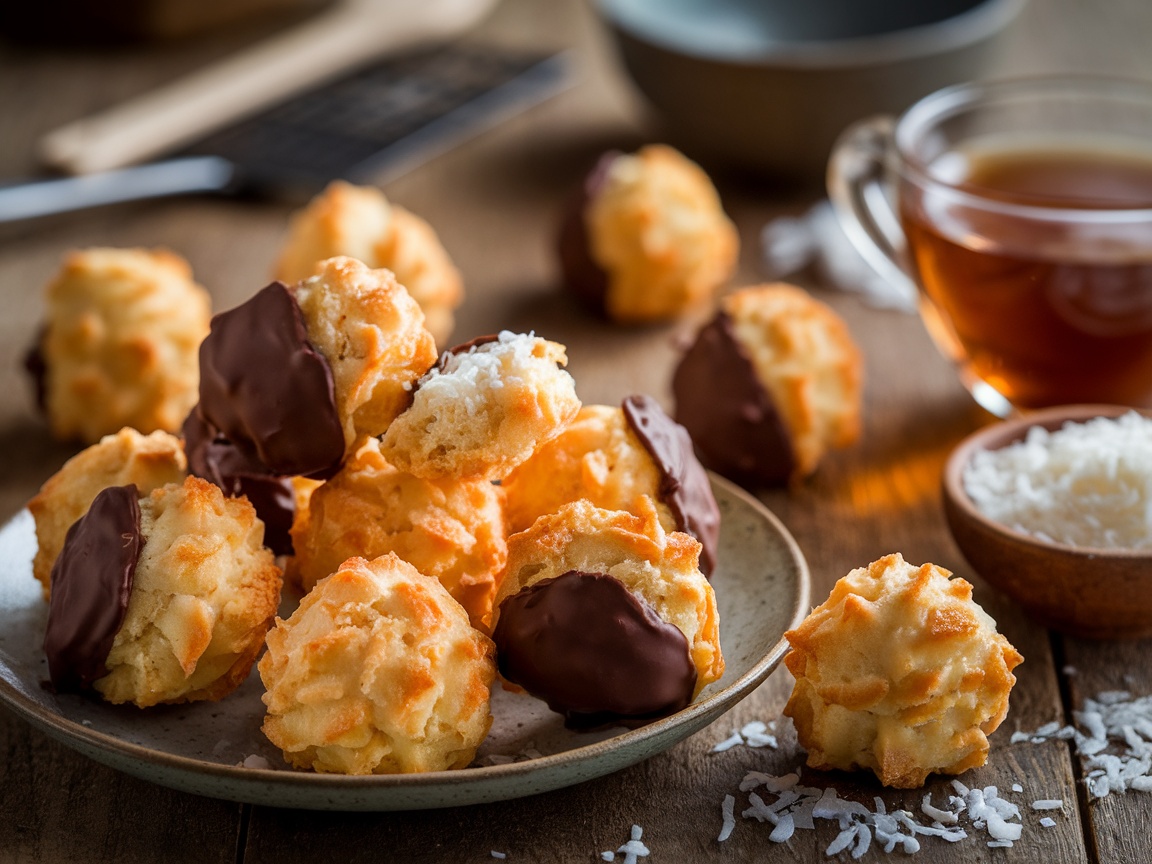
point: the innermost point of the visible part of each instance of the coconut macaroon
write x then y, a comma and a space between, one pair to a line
484, 409
450, 529
606, 617
359, 222
298, 375
119, 341
900, 672
770, 385
372, 333
147, 461
377, 672
648, 240
620, 459
196, 593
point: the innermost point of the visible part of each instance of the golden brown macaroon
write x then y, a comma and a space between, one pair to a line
148, 461
599, 459
484, 409
372, 334
630, 569
204, 594
900, 672
359, 222
450, 529
770, 385
119, 344
377, 672
657, 233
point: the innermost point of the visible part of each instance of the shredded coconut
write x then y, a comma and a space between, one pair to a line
1086, 484
1048, 822
788, 805
754, 734
255, 762
727, 810
496, 854
1113, 721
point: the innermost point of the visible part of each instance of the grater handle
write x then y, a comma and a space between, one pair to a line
349, 35
160, 179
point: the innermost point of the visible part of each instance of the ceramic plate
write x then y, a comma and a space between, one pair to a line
762, 589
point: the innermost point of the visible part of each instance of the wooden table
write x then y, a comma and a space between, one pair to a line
495, 203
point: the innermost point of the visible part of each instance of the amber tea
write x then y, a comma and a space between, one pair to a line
1043, 295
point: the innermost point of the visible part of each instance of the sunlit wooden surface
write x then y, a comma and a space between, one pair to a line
495, 203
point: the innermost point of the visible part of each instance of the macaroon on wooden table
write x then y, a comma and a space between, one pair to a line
496, 202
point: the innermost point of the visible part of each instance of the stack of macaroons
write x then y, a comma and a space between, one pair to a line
329, 431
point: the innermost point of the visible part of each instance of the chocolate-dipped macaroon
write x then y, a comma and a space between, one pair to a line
606, 617
769, 385
163, 599
298, 375
647, 238
616, 458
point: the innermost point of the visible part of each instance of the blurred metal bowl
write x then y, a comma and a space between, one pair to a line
768, 85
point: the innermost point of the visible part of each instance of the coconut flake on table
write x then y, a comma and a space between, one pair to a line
1114, 721
788, 806
633, 850
1085, 484
754, 734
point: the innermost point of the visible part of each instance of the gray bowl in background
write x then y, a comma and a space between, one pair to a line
768, 85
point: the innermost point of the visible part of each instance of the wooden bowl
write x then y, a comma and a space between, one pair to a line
1081, 591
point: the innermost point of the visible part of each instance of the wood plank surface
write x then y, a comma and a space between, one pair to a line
496, 203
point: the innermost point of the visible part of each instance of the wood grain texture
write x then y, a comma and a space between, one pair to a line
496, 203
59, 806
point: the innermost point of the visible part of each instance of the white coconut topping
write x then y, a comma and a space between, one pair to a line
1048, 804
1086, 484
255, 762
1048, 822
500, 855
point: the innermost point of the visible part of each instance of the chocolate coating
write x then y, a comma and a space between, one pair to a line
684, 484
266, 389
728, 412
239, 472
593, 651
37, 368
582, 276
91, 584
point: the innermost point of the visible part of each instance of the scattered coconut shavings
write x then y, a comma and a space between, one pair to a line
500, 855
1048, 804
1048, 822
1016, 787
1116, 722
633, 850
726, 810
254, 762
754, 734
788, 805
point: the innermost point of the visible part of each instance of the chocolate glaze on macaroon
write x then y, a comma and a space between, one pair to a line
264, 387
91, 585
237, 471
684, 484
581, 274
728, 412
593, 651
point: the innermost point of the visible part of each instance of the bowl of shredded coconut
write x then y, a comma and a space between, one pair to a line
1054, 508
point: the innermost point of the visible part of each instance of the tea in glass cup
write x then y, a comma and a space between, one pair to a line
1023, 213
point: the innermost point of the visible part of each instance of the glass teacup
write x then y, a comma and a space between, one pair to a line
1023, 214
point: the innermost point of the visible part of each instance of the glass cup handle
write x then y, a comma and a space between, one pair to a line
857, 174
